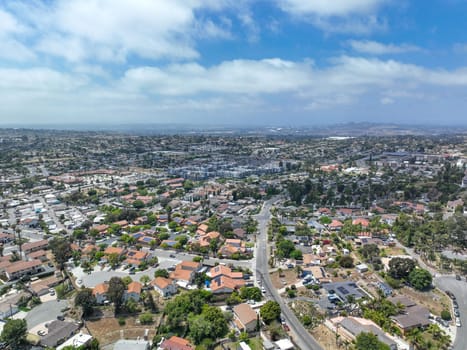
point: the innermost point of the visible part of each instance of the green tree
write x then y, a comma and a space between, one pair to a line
420, 279
270, 311
346, 261
14, 333
401, 267
161, 273
116, 290
61, 249
146, 318
366, 341
113, 259
86, 300
144, 279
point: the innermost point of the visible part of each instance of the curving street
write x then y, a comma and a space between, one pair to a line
459, 289
300, 335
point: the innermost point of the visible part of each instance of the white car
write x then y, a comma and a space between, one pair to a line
458, 322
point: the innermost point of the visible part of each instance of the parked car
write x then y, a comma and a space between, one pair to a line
458, 277
61, 318
458, 322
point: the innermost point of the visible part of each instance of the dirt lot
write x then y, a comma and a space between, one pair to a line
325, 337
289, 276
433, 300
393, 250
107, 330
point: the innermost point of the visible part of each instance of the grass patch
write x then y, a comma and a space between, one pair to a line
255, 343
24, 308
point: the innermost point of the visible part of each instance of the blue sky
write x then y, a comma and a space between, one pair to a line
242, 62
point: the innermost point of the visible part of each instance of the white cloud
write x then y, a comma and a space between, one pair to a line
338, 16
250, 87
386, 101
376, 48
113, 30
329, 7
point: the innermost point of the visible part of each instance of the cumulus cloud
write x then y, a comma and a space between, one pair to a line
330, 8
338, 16
376, 48
112, 30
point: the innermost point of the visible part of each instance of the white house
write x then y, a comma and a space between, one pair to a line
164, 286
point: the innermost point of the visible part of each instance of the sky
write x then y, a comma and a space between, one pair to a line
233, 62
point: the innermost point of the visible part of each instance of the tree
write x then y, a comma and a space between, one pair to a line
144, 279
365, 341
86, 300
161, 273
14, 333
401, 267
113, 259
116, 290
346, 261
420, 279
270, 311
61, 249
146, 318
369, 251
250, 293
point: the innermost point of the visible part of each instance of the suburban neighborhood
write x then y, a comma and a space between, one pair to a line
225, 242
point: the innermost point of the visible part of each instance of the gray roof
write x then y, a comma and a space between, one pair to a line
343, 289
355, 328
128, 344
59, 331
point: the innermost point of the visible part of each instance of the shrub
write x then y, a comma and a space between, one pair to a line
121, 321
145, 318
446, 315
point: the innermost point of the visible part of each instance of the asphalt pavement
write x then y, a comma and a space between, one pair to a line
300, 335
459, 289
45, 312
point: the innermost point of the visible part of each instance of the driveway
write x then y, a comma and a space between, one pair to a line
459, 289
45, 312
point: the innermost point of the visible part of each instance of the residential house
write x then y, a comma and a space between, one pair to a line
21, 268
335, 225
78, 340
133, 291
205, 239
176, 343
100, 292
414, 316
34, 246
185, 272
164, 286
40, 255
114, 250
132, 344
232, 246
6, 237
223, 284
59, 332
350, 327
245, 318
135, 257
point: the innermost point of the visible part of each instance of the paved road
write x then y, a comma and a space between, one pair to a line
45, 312
300, 335
459, 289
